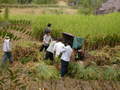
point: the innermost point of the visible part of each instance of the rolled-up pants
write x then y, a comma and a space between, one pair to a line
64, 67
7, 55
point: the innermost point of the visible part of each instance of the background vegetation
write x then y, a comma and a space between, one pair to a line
98, 30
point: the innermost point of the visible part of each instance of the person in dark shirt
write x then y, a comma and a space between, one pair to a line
48, 28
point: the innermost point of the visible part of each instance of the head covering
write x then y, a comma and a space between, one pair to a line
7, 37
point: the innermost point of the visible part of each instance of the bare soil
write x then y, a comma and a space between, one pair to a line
39, 11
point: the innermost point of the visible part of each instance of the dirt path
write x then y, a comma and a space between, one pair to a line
42, 10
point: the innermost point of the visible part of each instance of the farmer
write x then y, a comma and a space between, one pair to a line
48, 28
7, 49
65, 58
46, 41
58, 47
50, 50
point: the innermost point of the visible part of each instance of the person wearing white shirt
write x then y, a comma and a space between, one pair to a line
50, 51
7, 49
58, 47
65, 58
46, 41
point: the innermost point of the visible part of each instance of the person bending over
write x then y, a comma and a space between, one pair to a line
50, 50
58, 47
46, 41
65, 58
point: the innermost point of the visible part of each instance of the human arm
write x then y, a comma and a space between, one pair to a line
63, 49
45, 40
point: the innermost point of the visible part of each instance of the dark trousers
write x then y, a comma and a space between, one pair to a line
43, 47
49, 55
64, 67
7, 55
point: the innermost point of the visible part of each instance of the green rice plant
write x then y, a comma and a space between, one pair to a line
96, 27
20, 22
1, 18
97, 30
48, 62
57, 60
85, 73
45, 72
25, 60
44, 1
73, 69
6, 14
111, 74
93, 72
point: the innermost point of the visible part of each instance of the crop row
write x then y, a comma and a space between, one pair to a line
98, 31
17, 28
3, 33
98, 42
22, 26
20, 22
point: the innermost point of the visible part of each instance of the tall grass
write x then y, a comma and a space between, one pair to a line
98, 30
93, 72
104, 28
81, 25
45, 72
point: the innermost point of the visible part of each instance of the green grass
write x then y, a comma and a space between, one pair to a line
45, 72
93, 72
100, 30
79, 25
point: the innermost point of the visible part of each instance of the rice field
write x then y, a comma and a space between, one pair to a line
98, 31
30, 68
79, 25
